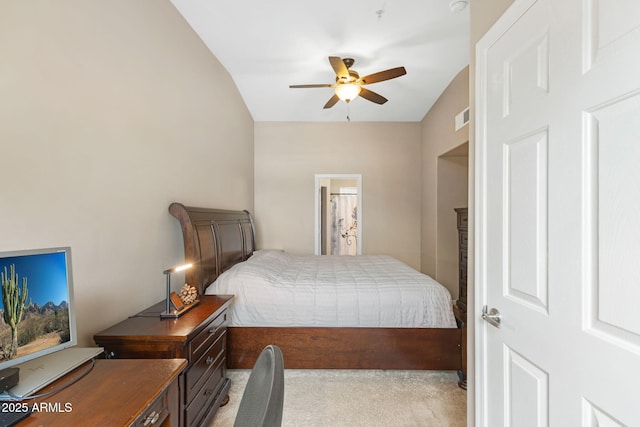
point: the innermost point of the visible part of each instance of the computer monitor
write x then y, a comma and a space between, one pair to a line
37, 318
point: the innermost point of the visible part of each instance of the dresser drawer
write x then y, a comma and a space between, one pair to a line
463, 220
211, 332
155, 414
462, 259
201, 370
463, 238
206, 394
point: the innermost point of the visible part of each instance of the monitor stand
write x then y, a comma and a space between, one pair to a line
39, 372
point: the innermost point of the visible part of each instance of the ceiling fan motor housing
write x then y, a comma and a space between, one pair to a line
353, 76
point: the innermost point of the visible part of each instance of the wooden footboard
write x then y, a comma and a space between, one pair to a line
348, 348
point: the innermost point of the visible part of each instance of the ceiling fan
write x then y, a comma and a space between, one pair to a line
349, 84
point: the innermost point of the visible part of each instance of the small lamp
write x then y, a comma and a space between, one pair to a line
172, 298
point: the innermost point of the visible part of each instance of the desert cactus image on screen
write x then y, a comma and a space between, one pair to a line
13, 300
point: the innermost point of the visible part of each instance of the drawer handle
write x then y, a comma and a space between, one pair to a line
213, 330
151, 419
208, 392
209, 360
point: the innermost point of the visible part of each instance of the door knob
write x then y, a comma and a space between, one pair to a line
492, 316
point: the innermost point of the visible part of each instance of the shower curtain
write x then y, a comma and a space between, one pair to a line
344, 225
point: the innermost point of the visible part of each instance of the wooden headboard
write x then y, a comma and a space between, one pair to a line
214, 240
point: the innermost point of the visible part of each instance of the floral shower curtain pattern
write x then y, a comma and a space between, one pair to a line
344, 210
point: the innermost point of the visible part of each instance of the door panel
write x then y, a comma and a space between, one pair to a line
613, 132
527, 392
525, 225
610, 27
596, 417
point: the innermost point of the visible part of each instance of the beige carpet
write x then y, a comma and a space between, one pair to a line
361, 398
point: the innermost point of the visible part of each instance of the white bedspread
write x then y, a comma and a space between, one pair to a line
273, 288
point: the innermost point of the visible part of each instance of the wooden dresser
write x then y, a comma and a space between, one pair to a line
460, 307
113, 393
199, 335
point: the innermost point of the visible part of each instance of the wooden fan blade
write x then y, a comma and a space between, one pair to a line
332, 101
339, 67
313, 85
380, 76
372, 96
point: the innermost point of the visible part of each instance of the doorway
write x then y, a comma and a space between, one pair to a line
338, 223
453, 172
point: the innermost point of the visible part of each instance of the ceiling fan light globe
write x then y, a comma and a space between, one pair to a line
347, 91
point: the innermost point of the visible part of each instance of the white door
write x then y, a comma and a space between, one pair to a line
558, 215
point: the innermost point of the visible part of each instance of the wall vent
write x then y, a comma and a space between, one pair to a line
462, 119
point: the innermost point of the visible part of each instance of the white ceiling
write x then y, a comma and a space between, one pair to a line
268, 45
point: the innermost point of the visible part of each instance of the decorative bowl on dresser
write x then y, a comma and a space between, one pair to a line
200, 336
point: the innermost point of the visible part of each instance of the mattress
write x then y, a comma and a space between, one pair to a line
274, 288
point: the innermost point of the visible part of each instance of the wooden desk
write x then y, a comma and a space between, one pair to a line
114, 393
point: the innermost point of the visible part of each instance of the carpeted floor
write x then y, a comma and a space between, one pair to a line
361, 398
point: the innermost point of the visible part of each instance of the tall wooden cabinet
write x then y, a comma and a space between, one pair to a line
462, 258
460, 307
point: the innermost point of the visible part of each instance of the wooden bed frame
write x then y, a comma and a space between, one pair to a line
215, 240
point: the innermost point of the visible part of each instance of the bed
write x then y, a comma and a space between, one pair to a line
221, 242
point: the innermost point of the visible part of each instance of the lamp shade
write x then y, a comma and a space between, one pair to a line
178, 268
347, 91
182, 267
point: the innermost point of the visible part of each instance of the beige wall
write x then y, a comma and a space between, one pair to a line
387, 155
444, 185
111, 110
484, 13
